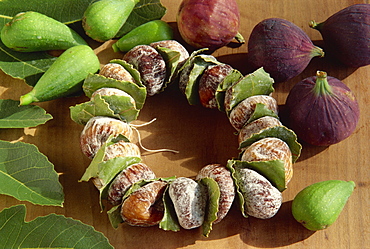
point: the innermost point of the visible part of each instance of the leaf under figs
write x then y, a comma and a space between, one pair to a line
230, 79
212, 207
51, 231
14, 116
27, 175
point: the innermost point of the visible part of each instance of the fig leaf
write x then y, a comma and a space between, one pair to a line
94, 82
240, 197
260, 111
27, 175
273, 171
171, 58
213, 191
257, 83
119, 107
14, 116
169, 221
51, 231
230, 79
200, 63
280, 132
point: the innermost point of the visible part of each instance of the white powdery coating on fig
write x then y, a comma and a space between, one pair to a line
150, 65
121, 149
262, 200
98, 129
270, 148
124, 180
256, 126
189, 200
226, 184
242, 112
173, 45
117, 72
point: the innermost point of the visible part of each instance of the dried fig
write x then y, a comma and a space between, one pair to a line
226, 184
144, 207
151, 66
189, 200
344, 29
261, 199
322, 110
116, 71
281, 48
123, 181
97, 131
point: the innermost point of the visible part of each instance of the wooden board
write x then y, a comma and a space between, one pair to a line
205, 136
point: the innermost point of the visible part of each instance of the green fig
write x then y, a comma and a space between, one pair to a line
104, 18
32, 31
318, 206
65, 76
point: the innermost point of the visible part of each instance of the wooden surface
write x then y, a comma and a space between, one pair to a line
205, 136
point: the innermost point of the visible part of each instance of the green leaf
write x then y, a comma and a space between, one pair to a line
199, 64
213, 191
257, 83
119, 107
14, 116
273, 171
94, 82
144, 11
169, 221
51, 231
114, 216
171, 58
233, 77
281, 132
27, 175
240, 197
260, 111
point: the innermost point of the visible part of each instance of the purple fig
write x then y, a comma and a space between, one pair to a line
209, 23
322, 110
346, 35
283, 49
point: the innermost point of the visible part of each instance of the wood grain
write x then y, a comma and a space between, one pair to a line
204, 136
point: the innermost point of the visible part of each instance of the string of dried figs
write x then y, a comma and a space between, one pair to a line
136, 195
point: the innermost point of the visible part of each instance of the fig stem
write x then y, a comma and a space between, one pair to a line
239, 38
322, 86
315, 25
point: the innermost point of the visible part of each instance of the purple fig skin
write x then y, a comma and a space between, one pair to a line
346, 35
322, 115
283, 49
208, 23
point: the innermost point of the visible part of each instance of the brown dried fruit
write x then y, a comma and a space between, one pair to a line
209, 82
189, 200
242, 112
144, 207
256, 126
226, 184
261, 199
124, 180
173, 45
150, 65
123, 149
110, 91
270, 148
116, 71
98, 129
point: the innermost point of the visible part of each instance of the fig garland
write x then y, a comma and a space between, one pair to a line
137, 196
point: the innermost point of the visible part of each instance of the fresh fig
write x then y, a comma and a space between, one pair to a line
346, 35
318, 206
283, 49
209, 23
322, 110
